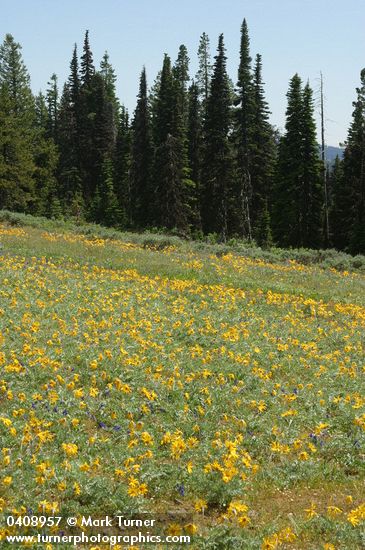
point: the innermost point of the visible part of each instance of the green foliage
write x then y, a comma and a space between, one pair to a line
350, 197
141, 159
199, 158
109, 212
122, 164
171, 201
263, 232
17, 120
299, 196
217, 169
204, 74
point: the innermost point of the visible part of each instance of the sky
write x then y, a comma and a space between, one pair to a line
293, 36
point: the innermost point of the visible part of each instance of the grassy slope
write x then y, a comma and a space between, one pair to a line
199, 380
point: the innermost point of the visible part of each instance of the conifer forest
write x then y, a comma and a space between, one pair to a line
198, 156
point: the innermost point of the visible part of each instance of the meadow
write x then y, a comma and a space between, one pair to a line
165, 377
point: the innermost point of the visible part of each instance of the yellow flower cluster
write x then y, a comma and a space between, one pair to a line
177, 380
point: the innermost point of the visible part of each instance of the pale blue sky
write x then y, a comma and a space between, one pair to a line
304, 36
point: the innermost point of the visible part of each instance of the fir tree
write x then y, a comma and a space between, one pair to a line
171, 204
70, 188
263, 232
17, 119
45, 160
263, 152
68, 172
141, 159
289, 170
217, 163
108, 74
15, 77
194, 136
87, 63
96, 123
244, 114
109, 212
312, 198
181, 77
122, 161
52, 108
16, 159
298, 197
109, 77
74, 79
204, 74
350, 198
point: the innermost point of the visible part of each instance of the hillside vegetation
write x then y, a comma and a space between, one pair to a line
221, 387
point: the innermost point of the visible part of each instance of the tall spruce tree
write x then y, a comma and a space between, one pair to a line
95, 122
350, 197
141, 159
171, 204
181, 77
74, 82
122, 162
105, 205
298, 197
245, 105
17, 120
312, 197
289, 170
108, 74
69, 173
52, 99
204, 74
45, 158
217, 164
262, 154
87, 63
194, 136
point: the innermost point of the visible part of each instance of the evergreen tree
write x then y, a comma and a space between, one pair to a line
108, 213
87, 63
69, 172
217, 163
263, 153
17, 119
74, 80
122, 162
181, 77
171, 204
108, 74
204, 74
141, 159
245, 105
16, 159
263, 232
312, 193
14, 76
53, 108
45, 160
109, 77
287, 195
350, 198
298, 197
41, 112
96, 124
194, 136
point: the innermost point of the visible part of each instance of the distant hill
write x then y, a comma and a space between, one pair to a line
332, 152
